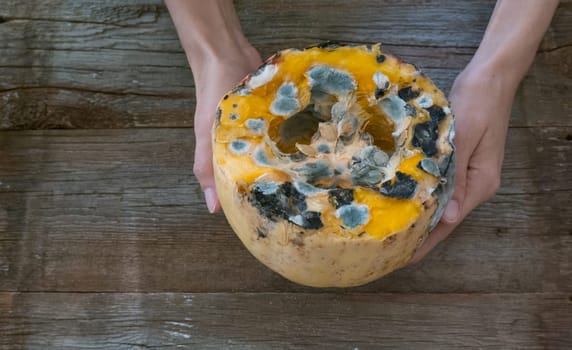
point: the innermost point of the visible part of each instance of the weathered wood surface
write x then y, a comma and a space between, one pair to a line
77, 64
293, 321
118, 210
105, 241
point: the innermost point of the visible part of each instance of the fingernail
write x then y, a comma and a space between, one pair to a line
210, 198
452, 212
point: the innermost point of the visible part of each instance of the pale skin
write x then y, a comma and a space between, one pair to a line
481, 97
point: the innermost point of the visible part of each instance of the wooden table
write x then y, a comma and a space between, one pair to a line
105, 242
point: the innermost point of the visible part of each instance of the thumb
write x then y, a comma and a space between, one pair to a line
453, 212
203, 170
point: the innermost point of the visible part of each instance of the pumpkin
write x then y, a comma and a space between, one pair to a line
333, 163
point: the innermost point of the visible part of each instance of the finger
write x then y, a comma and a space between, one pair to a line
464, 146
451, 217
465, 143
203, 170
439, 233
484, 182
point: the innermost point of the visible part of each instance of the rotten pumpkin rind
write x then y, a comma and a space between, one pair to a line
351, 194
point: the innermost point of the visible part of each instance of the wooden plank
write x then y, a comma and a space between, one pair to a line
78, 64
118, 210
285, 321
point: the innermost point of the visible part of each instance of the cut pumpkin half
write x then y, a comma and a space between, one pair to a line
333, 163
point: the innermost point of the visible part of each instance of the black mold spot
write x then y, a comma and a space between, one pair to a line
234, 105
310, 220
569, 137
425, 136
225, 97
379, 92
437, 114
283, 203
330, 80
295, 199
380, 58
407, 93
404, 186
339, 197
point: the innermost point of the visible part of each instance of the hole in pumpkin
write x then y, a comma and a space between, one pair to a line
299, 128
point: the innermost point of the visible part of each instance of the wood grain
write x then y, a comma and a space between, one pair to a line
285, 321
69, 64
119, 210
105, 242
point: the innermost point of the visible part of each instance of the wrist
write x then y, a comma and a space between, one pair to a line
204, 60
209, 31
500, 64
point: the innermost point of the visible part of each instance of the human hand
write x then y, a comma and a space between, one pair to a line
213, 79
481, 99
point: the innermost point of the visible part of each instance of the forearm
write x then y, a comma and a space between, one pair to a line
513, 35
207, 30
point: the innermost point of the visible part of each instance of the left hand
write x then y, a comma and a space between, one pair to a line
481, 99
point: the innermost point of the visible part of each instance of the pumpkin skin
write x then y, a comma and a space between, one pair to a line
333, 163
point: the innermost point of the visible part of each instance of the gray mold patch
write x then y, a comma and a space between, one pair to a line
367, 168
260, 157
286, 104
394, 107
429, 166
324, 148
266, 188
316, 171
239, 146
424, 101
233, 116
257, 125
374, 156
287, 90
353, 215
306, 189
330, 80
364, 174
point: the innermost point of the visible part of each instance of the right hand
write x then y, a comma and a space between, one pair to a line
213, 79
